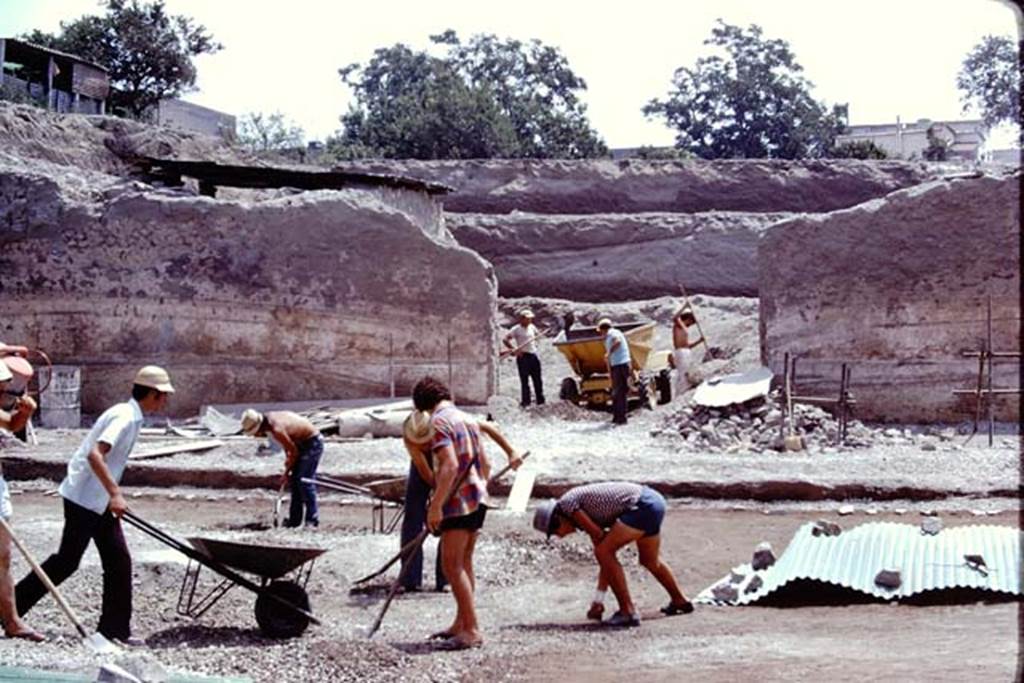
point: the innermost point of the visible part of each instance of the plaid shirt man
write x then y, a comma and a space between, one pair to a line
454, 428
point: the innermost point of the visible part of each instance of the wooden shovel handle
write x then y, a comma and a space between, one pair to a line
45, 579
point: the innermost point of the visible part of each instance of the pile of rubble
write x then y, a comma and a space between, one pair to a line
756, 426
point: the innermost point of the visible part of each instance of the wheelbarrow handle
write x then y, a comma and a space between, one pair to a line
210, 563
338, 486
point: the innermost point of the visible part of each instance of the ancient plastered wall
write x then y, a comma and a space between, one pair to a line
898, 287
632, 185
617, 257
294, 298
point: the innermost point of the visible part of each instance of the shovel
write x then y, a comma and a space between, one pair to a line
95, 642
793, 441
411, 546
277, 506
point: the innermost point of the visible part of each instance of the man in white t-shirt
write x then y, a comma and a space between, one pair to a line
521, 341
93, 505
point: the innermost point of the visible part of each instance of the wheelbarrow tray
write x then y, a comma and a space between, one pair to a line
266, 561
584, 349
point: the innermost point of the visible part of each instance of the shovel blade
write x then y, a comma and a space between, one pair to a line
100, 645
112, 673
522, 487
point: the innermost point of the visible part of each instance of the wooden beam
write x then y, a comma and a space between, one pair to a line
50, 104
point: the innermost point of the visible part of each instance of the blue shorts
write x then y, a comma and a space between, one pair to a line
647, 514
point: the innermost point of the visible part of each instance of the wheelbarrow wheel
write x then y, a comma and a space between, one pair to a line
664, 384
569, 391
277, 621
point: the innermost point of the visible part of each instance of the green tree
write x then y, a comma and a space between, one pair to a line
415, 106
862, 149
484, 99
148, 51
259, 132
753, 102
989, 80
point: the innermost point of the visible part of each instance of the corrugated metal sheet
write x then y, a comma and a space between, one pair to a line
855, 557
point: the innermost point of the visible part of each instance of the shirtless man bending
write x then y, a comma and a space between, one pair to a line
303, 447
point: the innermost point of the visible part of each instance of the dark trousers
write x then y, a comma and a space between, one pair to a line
417, 494
528, 365
620, 386
80, 527
304, 495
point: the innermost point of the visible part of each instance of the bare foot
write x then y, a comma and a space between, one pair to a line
25, 633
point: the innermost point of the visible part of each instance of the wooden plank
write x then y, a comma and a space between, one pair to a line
174, 449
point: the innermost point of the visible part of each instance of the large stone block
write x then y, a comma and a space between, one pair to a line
898, 287
316, 295
633, 185
617, 257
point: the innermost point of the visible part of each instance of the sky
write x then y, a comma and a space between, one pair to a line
885, 58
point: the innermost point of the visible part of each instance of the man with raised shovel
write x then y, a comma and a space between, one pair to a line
93, 505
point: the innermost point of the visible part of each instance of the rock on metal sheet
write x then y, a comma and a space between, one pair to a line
723, 391
855, 557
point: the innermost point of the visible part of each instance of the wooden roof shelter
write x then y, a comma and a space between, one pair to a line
211, 175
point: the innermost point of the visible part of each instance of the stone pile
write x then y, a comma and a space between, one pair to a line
754, 426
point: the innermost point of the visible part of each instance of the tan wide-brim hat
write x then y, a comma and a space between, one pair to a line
417, 428
154, 377
526, 313
5, 373
604, 322
251, 421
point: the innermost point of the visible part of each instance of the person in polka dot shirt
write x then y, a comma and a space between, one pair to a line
615, 514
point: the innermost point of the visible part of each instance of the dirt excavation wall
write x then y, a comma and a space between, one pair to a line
635, 186
618, 257
898, 287
292, 298
622, 230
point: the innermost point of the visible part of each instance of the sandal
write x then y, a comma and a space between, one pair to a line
440, 635
454, 643
671, 609
623, 620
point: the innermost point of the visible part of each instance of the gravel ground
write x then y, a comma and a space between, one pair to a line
571, 445
531, 598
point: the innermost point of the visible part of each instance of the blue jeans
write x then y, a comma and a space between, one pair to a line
304, 495
648, 513
417, 493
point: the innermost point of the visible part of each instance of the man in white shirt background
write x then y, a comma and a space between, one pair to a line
522, 342
93, 505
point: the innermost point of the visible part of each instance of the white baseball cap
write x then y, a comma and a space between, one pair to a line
154, 377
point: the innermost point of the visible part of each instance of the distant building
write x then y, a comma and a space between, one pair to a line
909, 140
61, 82
193, 117
1010, 156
